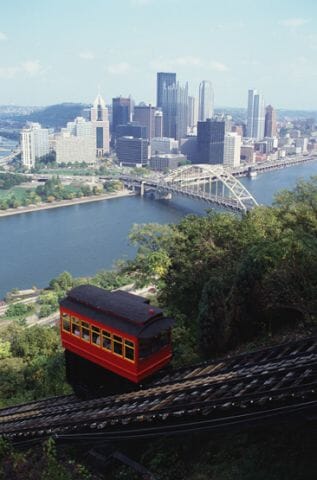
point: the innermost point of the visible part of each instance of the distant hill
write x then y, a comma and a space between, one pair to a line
297, 114
54, 116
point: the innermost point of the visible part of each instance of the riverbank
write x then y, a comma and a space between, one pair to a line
64, 203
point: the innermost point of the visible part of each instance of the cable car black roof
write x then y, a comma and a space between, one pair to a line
119, 309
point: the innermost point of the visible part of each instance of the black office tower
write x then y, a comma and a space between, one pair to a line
210, 141
121, 112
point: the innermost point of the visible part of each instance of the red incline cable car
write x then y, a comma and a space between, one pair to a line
112, 340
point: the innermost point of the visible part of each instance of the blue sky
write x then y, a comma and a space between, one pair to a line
52, 52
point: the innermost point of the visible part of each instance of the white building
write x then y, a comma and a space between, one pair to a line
302, 143
232, 147
206, 101
34, 144
163, 145
79, 127
255, 115
72, 148
158, 123
76, 142
192, 114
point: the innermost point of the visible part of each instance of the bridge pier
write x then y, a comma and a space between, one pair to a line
161, 195
142, 189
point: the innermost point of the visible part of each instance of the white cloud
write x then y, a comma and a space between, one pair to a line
218, 67
32, 67
3, 36
87, 55
187, 61
311, 41
293, 22
118, 68
159, 64
8, 72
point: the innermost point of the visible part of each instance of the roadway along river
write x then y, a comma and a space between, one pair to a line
82, 239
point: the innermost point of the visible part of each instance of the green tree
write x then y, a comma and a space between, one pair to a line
86, 190
19, 310
152, 259
32, 342
110, 279
5, 349
234, 278
63, 282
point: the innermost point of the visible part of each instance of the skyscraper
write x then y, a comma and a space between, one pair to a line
132, 151
163, 79
121, 112
133, 129
192, 113
100, 124
175, 110
255, 115
210, 140
206, 101
158, 124
232, 147
34, 143
145, 116
270, 122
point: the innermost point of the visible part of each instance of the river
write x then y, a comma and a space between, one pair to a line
6, 146
82, 239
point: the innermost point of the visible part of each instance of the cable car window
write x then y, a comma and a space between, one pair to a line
117, 345
106, 340
95, 335
75, 326
129, 350
148, 346
85, 331
66, 322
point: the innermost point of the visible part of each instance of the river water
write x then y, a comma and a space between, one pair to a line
6, 146
82, 239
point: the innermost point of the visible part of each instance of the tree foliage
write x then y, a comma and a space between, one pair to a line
39, 463
234, 278
9, 180
32, 364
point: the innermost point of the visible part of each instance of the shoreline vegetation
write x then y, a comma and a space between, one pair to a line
64, 203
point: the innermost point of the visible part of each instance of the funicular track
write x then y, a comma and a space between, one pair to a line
277, 382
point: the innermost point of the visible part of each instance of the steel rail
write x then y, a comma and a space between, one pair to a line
277, 376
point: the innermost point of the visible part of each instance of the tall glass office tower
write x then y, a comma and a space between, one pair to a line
256, 115
164, 79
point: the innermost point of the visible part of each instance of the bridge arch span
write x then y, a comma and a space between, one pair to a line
188, 178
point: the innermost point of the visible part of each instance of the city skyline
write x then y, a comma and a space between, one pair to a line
62, 52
